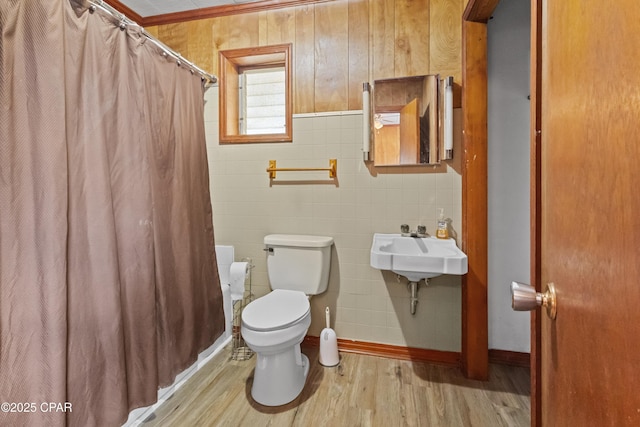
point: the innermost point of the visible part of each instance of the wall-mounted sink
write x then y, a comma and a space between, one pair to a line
417, 258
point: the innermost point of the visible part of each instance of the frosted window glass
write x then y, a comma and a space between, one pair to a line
263, 109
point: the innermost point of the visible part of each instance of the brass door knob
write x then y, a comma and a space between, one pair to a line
525, 298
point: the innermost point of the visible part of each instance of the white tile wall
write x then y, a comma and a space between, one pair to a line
366, 304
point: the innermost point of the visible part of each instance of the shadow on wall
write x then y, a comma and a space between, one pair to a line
327, 299
437, 323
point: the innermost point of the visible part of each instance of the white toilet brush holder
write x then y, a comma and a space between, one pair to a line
328, 345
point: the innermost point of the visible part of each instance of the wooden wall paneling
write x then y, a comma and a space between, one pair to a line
382, 36
411, 51
263, 28
175, 36
281, 26
199, 44
304, 61
475, 342
219, 40
234, 32
445, 40
358, 51
331, 56
336, 49
243, 30
153, 31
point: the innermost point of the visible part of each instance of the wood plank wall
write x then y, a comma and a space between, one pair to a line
337, 45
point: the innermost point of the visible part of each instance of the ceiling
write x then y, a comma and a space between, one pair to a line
146, 8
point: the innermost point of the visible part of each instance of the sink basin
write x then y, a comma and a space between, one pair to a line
417, 258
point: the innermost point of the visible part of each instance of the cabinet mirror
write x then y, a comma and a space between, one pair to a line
405, 121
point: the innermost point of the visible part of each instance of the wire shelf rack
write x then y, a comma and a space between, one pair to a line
239, 349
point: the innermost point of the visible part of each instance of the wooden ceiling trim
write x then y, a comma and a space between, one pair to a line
209, 12
125, 10
479, 10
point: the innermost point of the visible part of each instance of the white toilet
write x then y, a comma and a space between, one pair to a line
274, 325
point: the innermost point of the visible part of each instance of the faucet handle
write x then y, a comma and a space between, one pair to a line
404, 229
421, 231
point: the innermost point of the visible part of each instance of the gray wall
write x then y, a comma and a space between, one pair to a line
508, 151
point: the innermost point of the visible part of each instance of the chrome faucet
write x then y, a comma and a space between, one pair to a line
421, 231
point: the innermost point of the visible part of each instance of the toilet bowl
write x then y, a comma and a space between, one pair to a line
274, 325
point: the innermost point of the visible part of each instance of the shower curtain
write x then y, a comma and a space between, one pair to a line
108, 280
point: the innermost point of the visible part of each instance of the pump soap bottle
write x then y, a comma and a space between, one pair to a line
442, 231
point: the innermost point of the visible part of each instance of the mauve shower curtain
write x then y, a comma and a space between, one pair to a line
108, 282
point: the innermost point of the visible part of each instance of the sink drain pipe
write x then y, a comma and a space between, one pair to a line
413, 287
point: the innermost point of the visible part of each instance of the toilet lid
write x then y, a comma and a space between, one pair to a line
276, 310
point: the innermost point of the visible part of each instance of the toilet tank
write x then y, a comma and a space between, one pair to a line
298, 262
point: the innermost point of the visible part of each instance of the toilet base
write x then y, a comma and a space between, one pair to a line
279, 378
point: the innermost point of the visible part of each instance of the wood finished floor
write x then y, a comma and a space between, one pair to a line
361, 391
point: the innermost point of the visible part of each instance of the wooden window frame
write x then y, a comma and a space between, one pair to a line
232, 63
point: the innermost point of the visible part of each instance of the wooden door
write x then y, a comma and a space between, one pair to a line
589, 210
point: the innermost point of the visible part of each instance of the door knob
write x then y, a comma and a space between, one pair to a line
525, 298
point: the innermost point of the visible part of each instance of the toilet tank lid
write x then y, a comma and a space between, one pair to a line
301, 240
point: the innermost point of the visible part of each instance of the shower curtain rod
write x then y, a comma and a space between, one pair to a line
124, 22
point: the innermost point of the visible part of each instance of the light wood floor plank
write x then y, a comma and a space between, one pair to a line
363, 391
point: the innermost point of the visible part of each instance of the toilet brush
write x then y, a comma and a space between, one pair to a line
328, 345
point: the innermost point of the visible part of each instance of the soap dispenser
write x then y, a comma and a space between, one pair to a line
442, 230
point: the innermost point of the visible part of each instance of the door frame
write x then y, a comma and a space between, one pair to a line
474, 189
475, 327
535, 203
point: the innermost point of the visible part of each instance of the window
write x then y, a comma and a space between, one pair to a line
262, 101
255, 95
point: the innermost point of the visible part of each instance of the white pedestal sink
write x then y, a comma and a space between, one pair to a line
417, 258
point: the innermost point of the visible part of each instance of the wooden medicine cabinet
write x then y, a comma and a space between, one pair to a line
405, 121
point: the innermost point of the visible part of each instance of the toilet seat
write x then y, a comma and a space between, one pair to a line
278, 309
